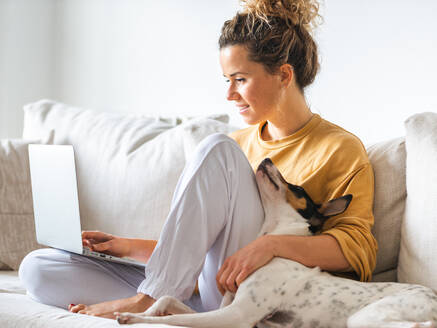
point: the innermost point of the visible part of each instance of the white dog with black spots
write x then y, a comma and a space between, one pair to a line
284, 293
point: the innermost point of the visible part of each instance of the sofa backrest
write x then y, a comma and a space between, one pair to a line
127, 165
388, 162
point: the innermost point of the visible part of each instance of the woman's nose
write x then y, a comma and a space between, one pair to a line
232, 94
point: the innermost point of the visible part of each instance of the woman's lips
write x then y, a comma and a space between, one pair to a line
243, 109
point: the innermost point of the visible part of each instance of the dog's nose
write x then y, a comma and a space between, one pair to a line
267, 161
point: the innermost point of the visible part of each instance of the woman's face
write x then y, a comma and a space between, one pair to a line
255, 91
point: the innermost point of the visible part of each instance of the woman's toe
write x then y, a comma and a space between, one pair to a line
77, 308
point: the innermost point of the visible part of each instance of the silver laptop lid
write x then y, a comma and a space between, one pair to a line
55, 197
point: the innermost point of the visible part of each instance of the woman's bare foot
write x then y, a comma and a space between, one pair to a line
134, 304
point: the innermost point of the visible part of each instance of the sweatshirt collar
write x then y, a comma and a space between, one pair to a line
295, 137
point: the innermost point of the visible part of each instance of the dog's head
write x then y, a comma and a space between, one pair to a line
274, 190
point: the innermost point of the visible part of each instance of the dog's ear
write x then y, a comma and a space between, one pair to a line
335, 206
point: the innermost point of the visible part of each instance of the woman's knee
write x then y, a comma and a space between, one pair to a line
215, 139
221, 145
35, 270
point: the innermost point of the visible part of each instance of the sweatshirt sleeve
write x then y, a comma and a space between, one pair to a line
352, 229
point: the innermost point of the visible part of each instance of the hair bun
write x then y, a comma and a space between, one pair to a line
295, 12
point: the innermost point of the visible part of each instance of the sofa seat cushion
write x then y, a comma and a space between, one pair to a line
10, 283
19, 311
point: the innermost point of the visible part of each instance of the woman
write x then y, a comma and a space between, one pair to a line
268, 57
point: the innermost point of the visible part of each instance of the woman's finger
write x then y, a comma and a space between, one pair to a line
222, 269
98, 236
230, 281
242, 275
223, 280
102, 247
87, 243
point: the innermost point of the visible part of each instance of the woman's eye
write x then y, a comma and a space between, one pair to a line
238, 80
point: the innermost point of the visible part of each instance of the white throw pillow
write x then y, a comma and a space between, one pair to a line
127, 165
388, 162
418, 253
17, 232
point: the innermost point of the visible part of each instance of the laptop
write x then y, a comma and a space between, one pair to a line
56, 202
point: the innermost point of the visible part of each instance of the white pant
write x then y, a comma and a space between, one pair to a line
215, 211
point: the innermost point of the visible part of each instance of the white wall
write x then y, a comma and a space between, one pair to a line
378, 64
26, 59
140, 56
161, 57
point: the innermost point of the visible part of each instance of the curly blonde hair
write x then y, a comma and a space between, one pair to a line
276, 32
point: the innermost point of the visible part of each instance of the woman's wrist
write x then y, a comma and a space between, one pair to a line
269, 244
141, 249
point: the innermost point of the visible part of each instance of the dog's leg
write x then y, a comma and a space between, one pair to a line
237, 315
397, 324
227, 299
412, 308
167, 305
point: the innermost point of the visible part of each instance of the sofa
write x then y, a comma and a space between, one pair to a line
128, 167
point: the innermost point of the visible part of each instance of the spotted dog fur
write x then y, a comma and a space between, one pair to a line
284, 293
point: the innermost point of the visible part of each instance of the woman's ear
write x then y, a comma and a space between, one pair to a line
287, 74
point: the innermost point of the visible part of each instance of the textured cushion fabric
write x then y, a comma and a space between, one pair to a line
17, 233
127, 165
4, 266
388, 162
386, 276
418, 253
10, 283
19, 311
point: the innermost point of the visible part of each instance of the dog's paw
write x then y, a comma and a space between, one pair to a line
121, 318
127, 318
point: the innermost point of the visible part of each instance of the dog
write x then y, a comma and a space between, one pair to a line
284, 293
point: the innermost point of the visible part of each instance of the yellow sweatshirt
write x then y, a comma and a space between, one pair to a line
328, 162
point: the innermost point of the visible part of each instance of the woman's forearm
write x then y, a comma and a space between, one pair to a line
322, 251
141, 249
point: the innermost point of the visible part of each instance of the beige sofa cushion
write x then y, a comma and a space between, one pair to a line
19, 311
10, 283
127, 165
388, 162
4, 266
418, 253
17, 232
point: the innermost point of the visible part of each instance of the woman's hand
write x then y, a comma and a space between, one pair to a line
106, 243
244, 262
